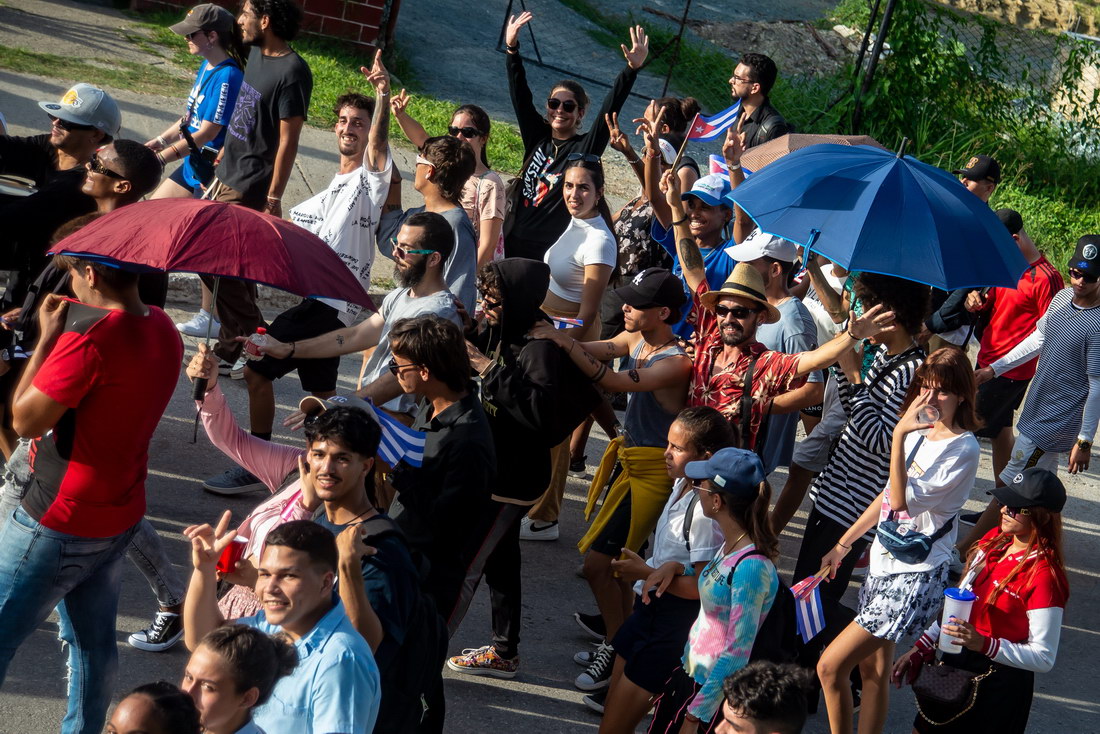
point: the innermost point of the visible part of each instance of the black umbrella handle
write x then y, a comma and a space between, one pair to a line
198, 391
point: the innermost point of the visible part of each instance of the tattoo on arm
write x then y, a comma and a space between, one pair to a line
610, 350
690, 256
633, 375
340, 339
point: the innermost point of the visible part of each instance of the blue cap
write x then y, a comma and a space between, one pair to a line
710, 189
735, 471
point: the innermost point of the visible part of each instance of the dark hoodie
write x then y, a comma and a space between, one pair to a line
534, 396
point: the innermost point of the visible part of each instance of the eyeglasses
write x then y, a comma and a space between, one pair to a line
66, 125
400, 250
566, 104
1075, 273
586, 157
397, 369
1015, 512
466, 132
96, 166
737, 312
742, 80
698, 484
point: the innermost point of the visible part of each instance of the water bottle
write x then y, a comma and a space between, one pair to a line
927, 414
255, 341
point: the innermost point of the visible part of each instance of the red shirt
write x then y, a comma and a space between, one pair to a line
1038, 586
773, 374
1015, 313
115, 372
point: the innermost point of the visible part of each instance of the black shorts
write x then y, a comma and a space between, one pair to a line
651, 640
998, 400
177, 178
306, 320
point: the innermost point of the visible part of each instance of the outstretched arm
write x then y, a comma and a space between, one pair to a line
413, 130
687, 250
874, 321
377, 153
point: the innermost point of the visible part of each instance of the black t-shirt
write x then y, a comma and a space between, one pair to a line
274, 88
31, 157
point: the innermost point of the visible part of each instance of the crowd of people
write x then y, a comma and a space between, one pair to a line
522, 314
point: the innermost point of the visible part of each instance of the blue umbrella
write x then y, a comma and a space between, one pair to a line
872, 210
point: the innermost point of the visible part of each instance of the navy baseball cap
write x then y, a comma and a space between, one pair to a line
734, 471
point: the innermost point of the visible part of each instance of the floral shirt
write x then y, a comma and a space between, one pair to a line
773, 374
637, 250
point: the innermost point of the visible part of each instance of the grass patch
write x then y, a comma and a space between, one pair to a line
335, 69
1054, 224
110, 72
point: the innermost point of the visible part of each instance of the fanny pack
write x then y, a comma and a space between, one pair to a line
906, 544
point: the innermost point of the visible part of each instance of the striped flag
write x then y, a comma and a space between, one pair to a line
399, 442
718, 166
708, 128
809, 613
561, 322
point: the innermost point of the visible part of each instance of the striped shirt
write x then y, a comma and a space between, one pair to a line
1051, 417
859, 466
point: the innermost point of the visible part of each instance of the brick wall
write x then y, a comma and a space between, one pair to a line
361, 22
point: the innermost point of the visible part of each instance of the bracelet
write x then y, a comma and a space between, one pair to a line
511, 48
845, 547
293, 349
680, 221
634, 161
851, 335
652, 153
692, 718
273, 198
572, 344
160, 159
599, 373
162, 141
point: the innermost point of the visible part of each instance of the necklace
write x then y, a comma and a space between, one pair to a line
364, 512
715, 561
644, 358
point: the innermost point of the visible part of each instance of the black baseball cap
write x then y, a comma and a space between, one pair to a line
1011, 219
1033, 487
980, 168
1086, 256
653, 288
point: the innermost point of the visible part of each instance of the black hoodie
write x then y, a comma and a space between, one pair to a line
534, 396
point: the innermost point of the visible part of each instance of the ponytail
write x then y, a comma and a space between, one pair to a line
752, 515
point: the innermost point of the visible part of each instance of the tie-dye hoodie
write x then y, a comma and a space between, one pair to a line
730, 614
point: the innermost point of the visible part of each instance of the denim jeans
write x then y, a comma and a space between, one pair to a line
41, 569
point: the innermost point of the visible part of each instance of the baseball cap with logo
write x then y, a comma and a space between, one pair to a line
1034, 487
1086, 257
710, 189
84, 104
654, 288
760, 244
980, 168
732, 471
205, 17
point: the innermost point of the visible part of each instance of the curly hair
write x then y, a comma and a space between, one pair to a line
774, 696
285, 16
351, 427
355, 100
453, 162
908, 300
434, 342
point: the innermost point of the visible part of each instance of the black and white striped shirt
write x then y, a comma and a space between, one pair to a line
1070, 353
859, 465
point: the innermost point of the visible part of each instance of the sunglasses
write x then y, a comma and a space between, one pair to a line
400, 250
422, 161
737, 312
1015, 512
397, 369
698, 484
466, 132
192, 34
96, 166
566, 104
1075, 273
586, 157
69, 126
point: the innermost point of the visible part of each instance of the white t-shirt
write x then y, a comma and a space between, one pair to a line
941, 476
585, 242
345, 216
668, 539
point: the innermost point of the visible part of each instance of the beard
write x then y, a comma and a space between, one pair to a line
734, 337
411, 275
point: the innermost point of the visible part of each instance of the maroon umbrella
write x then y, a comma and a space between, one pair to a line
217, 239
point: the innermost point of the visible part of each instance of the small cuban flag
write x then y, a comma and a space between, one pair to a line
809, 613
718, 166
708, 128
399, 442
561, 322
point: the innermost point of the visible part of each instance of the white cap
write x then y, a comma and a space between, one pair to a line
84, 104
758, 245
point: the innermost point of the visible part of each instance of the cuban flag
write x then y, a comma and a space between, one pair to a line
809, 613
708, 128
718, 166
399, 442
561, 322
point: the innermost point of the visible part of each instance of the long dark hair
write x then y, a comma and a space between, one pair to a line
234, 46
751, 513
678, 113
481, 122
595, 169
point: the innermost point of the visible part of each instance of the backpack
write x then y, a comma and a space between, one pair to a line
417, 668
777, 638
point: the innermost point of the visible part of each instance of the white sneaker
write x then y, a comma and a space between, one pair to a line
198, 325
598, 673
957, 562
532, 530
236, 372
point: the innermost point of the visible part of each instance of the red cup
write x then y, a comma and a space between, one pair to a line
232, 553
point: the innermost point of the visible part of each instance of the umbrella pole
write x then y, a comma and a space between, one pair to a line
198, 391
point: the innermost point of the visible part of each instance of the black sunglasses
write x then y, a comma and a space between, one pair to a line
397, 369
1075, 273
466, 132
1014, 512
66, 125
586, 157
737, 312
566, 104
698, 484
97, 166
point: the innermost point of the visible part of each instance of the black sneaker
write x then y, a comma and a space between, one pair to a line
166, 631
595, 701
237, 480
592, 624
597, 676
970, 518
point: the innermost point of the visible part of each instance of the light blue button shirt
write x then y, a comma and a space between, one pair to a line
250, 728
334, 689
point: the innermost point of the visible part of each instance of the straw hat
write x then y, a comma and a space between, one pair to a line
743, 282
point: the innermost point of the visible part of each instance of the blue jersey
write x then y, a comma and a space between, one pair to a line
211, 98
716, 262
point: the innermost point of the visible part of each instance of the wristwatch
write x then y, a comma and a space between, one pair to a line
1084, 445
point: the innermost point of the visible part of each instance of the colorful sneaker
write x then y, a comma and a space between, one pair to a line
533, 530
595, 701
597, 675
592, 624
199, 324
166, 631
233, 482
484, 661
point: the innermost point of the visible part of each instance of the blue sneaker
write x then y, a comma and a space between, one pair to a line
233, 482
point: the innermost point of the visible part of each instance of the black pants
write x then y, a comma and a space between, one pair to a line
502, 575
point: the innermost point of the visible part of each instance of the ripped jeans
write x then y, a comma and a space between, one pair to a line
41, 569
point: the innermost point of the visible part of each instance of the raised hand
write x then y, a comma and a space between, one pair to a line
639, 48
617, 138
207, 543
399, 102
733, 146
515, 23
650, 129
309, 489
874, 320
377, 75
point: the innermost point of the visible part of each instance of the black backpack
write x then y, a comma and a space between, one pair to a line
777, 639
